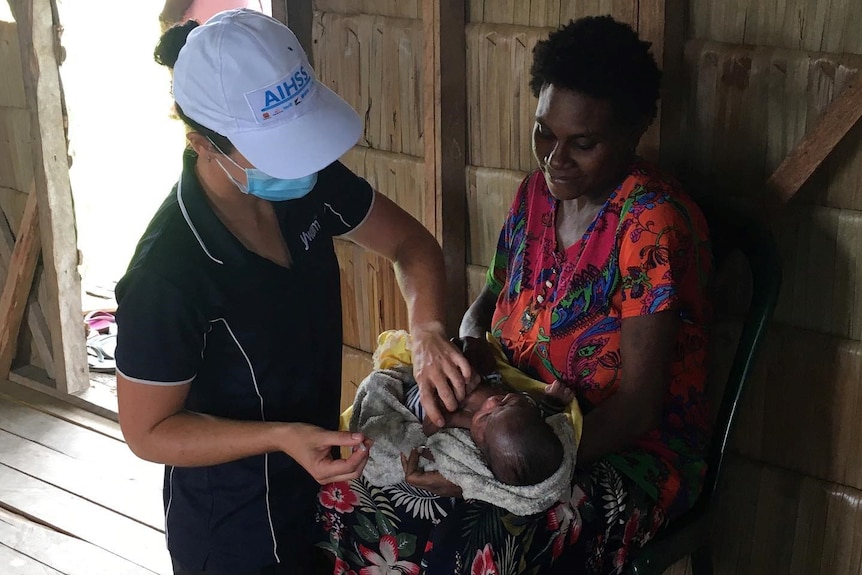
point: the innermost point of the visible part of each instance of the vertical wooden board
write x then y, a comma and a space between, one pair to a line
16, 163
398, 177
354, 160
12, 204
545, 13
735, 517
846, 290
340, 58
395, 99
12, 87
489, 196
775, 523
475, 10
792, 24
847, 465
703, 63
801, 408
838, 538
500, 11
371, 299
807, 546
797, 430
51, 170
851, 39
501, 135
788, 110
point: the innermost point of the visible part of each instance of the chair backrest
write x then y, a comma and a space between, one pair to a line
732, 231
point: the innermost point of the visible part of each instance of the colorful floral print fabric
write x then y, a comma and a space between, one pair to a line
400, 530
559, 312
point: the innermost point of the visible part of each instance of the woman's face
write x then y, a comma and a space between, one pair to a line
579, 146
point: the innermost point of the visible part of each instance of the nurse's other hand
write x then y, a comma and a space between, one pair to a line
312, 448
441, 370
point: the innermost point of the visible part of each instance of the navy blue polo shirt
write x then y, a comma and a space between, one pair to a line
256, 341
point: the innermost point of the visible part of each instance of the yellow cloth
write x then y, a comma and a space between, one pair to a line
393, 350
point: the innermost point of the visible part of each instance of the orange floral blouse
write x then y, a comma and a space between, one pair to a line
559, 312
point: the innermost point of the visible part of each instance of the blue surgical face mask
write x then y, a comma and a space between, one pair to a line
266, 187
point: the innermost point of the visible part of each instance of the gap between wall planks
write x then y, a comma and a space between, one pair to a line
444, 101
39, 47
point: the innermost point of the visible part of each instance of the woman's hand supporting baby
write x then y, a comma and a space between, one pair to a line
429, 480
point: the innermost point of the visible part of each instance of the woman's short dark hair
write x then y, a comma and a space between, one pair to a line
166, 53
604, 59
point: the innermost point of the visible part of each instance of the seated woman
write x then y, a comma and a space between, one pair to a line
599, 281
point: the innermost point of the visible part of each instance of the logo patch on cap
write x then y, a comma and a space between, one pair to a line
283, 96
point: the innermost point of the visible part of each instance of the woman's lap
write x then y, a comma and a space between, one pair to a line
366, 525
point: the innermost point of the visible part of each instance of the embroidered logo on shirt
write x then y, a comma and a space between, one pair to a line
308, 236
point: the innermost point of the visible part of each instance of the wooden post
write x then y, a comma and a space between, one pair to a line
298, 15
37, 37
445, 131
19, 280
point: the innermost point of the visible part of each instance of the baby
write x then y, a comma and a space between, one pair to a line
509, 428
504, 420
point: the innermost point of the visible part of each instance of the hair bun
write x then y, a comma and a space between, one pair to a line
172, 41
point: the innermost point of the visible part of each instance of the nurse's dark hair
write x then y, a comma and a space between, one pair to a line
166, 53
602, 58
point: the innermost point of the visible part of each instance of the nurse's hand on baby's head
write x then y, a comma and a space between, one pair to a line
478, 353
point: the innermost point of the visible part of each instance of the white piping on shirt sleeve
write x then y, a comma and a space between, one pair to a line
346, 234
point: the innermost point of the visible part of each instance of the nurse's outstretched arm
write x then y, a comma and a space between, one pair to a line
442, 372
157, 428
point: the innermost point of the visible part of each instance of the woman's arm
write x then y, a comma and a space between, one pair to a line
477, 318
157, 428
646, 345
439, 367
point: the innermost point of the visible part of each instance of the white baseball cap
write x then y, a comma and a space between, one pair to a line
244, 75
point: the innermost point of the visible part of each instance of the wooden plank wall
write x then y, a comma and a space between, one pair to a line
370, 52
16, 183
758, 74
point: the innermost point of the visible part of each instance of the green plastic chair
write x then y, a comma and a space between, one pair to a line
689, 535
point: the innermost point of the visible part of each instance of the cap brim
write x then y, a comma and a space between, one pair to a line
306, 144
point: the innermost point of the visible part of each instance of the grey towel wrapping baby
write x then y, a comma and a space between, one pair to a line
380, 413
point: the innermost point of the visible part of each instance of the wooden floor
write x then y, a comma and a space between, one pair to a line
73, 499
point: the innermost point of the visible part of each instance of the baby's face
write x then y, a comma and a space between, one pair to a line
498, 408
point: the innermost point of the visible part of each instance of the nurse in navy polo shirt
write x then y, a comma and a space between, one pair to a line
229, 347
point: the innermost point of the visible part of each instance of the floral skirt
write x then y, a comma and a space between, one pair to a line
401, 529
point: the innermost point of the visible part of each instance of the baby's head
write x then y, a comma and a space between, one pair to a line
520, 447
